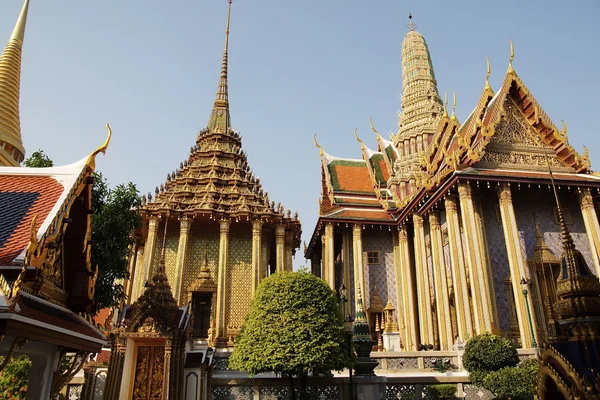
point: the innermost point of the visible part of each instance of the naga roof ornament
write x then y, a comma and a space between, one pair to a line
10, 80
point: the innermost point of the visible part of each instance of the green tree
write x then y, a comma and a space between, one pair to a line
38, 160
113, 222
513, 382
486, 353
13, 379
293, 327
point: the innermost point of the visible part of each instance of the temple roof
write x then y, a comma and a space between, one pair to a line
12, 151
26, 192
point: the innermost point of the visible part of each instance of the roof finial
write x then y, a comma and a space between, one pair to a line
362, 145
454, 108
220, 118
10, 82
373, 128
318, 146
487, 77
512, 57
411, 24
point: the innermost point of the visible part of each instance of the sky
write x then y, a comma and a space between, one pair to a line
150, 68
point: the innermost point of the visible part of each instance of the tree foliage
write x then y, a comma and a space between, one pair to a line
13, 379
513, 382
293, 327
445, 391
113, 222
38, 160
485, 353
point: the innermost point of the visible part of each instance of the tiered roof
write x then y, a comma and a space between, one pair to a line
216, 180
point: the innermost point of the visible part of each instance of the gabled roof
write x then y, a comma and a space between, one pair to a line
26, 192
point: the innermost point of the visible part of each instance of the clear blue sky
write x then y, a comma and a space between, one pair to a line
150, 68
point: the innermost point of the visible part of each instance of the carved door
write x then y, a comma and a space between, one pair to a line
149, 372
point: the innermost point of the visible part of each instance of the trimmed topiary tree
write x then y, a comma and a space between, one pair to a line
486, 353
293, 327
513, 382
441, 392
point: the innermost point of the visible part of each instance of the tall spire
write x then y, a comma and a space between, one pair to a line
12, 151
421, 102
219, 118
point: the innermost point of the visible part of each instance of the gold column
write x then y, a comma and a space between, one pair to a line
408, 291
475, 261
133, 262
357, 258
347, 247
328, 260
222, 278
167, 370
280, 247
441, 288
146, 271
256, 253
515, 260
423, 289
184, 223
592, 228
289, 243
459, 273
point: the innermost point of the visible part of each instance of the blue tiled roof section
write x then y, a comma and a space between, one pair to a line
13, 208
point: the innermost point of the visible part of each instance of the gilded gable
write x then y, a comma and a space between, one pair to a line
517, 145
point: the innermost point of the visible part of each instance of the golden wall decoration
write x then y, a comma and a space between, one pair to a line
239, 271
149, 371
203, 236
172, 244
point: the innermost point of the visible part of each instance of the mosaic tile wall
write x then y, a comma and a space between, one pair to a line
531, 206
239, 274
383, 275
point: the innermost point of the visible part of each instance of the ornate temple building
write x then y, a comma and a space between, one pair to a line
47, 279
210, 234
454, 224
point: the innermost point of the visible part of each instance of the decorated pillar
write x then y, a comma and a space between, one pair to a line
185, 222
133, 261
256, 253
408, 291
515, 261
459, 272
222, 278
280, 247
289, 247
423, 290
592, 228
357, 258
148, 262
166, 395
328, 256
444, 318
475, 261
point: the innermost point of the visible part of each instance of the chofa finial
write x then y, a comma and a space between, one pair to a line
317, 145
512, 56
362, 145
454, 107
445, 104
487, 77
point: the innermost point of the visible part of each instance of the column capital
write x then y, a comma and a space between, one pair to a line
504, 193
434, 220
417, 220
464, 189
451, 203
257, 226
224, 225
289, 237
185, 222
585, 199
280, 231
153, 221
356, 229
402, 234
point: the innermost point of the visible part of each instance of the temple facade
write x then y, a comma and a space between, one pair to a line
210, 234
454, 225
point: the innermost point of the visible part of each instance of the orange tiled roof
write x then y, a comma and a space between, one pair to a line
362, 215
350, 176
22, 197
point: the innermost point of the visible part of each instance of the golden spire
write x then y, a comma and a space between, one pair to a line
411, 24
220, 120
487, 77
10, 77
512, 57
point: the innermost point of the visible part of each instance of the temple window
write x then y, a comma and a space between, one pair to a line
201, 308
373, 257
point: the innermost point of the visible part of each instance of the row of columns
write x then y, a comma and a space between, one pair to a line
417, 290
284, 245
